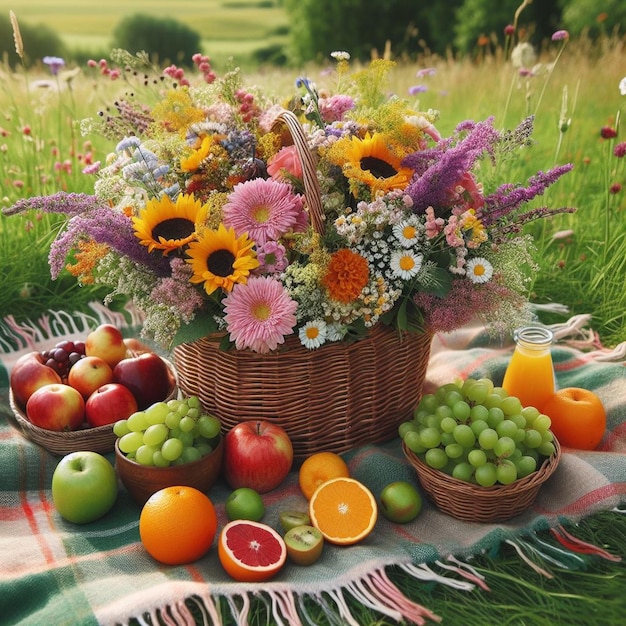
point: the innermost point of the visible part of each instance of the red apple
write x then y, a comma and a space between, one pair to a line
56, 407
135, 347
108, 404
147, 376
106, 342
257, 455
89, 374
29, 374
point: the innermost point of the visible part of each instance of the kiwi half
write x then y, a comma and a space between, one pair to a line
291, 519
304, 544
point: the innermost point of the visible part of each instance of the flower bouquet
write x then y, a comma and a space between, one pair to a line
330, 229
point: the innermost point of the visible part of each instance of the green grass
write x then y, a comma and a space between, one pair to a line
584, 271
234, 28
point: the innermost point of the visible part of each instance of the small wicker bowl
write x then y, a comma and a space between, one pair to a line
473, 503
100, 439
142, 481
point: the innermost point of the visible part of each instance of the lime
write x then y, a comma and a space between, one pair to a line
245, 504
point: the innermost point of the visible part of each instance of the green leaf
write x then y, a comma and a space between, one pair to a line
440, 282
200, 326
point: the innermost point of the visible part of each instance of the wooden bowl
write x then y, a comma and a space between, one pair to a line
142, 481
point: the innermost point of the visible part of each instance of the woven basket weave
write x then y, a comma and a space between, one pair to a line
473, 503
99, 439
334, 398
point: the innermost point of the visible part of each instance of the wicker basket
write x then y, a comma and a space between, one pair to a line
100, 439
472, 503
334, 398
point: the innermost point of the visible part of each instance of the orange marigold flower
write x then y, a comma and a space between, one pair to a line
346, 275
87, 257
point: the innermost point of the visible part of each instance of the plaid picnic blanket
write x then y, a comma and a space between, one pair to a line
55, 572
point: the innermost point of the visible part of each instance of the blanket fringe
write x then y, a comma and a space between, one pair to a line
17, 336
578, 545
375, 590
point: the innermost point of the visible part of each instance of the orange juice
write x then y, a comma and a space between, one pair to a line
530, 373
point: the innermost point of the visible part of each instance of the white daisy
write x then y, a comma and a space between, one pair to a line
405, 263
406, 232
313, 334
479, 270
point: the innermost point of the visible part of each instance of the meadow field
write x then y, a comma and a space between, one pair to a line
573, 91
235, 28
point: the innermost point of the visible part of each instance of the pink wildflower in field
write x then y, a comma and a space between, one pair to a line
509, 30
177, 74
608, 132
615, 188
560, 35
259, 314
203, 63
562, 234
620, 150
27, 130
415, 89
427, 71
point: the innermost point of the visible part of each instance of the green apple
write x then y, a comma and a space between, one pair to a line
400, 502
84, 486
245, 503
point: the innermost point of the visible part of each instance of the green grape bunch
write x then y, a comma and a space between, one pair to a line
168, 433
476, 432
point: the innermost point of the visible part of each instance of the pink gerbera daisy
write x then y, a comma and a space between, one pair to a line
259, 314
265, 209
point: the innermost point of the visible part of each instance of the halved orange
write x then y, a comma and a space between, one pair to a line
251, 551
344, 510
318, 468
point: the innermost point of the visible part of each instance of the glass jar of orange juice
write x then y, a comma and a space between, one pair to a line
530, 373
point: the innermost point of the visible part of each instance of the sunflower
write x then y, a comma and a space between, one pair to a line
192, 162
371, 161
220, 259
167, 226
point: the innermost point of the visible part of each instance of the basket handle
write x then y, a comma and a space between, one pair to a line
309, 171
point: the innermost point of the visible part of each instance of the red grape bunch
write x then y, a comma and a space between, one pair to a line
63, 355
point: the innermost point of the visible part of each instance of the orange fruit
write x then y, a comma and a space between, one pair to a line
344, 510
250, 551
177, 525
318, 468
578, 418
